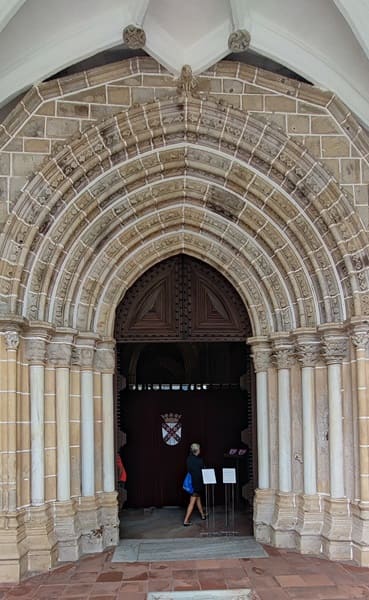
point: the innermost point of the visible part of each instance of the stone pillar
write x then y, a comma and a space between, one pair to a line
41, 540
264, 496
309, 516
360, 511
66, 521
91, 539
105, 364
337, 521
13, 560
285, 514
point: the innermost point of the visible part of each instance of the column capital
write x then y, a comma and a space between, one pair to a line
83, 351
359, 330
261, 352
105, 356
283, 350
11, 340
37, 337
60, 347
307, 346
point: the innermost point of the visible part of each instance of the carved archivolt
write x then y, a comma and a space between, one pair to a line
193, 177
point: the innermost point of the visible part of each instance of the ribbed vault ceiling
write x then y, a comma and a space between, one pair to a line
325, 42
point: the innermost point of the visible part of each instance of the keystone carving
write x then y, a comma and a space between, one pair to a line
134, 37
187, 84
239, 40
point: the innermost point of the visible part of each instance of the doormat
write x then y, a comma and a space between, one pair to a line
207, 595
162, 550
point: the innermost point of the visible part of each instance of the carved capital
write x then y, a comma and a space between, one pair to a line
105, 358
334, 349
284, 358
262, 359
360, 339
134, 37
11, 340
60, 349
36, 350
308, 353
239, 40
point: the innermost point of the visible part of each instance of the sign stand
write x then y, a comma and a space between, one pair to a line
209, 480
229, 481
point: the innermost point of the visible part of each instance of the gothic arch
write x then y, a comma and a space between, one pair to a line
188, 176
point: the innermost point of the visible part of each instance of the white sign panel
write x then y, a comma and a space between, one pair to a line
229, 475
208, 476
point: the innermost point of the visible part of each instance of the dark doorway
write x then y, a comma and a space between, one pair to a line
183, 367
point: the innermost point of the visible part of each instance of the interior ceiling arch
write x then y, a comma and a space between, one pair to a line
112, 188
324, 42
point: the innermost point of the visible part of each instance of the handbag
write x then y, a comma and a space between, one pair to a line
187, 484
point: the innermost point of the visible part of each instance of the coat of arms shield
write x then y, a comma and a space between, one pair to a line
171, 428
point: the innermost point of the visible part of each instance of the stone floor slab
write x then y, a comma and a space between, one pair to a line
187, 549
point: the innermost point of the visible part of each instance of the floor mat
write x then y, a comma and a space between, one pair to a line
154, 550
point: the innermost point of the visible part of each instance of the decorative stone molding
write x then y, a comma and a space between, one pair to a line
134, 37
239, 40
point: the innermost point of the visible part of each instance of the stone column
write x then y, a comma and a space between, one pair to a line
309, 517
105, 364
91, 539
360, 532
285, 514
337, 521
66, 521
42, 552
13, 549
264, 496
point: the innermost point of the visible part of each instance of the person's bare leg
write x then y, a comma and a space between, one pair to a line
190, 509
199, 506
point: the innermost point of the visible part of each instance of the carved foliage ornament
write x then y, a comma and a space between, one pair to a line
308, 354
134, 37
284, 358
334, 350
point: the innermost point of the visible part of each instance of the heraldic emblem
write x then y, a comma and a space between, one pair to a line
171, 428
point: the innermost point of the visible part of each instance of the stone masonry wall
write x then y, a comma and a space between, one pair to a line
57, 110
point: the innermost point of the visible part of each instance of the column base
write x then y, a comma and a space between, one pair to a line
264, 501
67, 530
108, 518
13, 548
360, 533
91, 530
336, 532
41, 540
309, 524
284, 520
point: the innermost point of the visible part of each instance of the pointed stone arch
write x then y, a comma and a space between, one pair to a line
194, 176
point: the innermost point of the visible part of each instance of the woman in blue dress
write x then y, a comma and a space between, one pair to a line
195, 464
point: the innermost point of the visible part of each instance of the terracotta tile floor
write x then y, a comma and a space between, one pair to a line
283, 575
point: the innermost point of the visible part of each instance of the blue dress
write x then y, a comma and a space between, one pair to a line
194, 466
